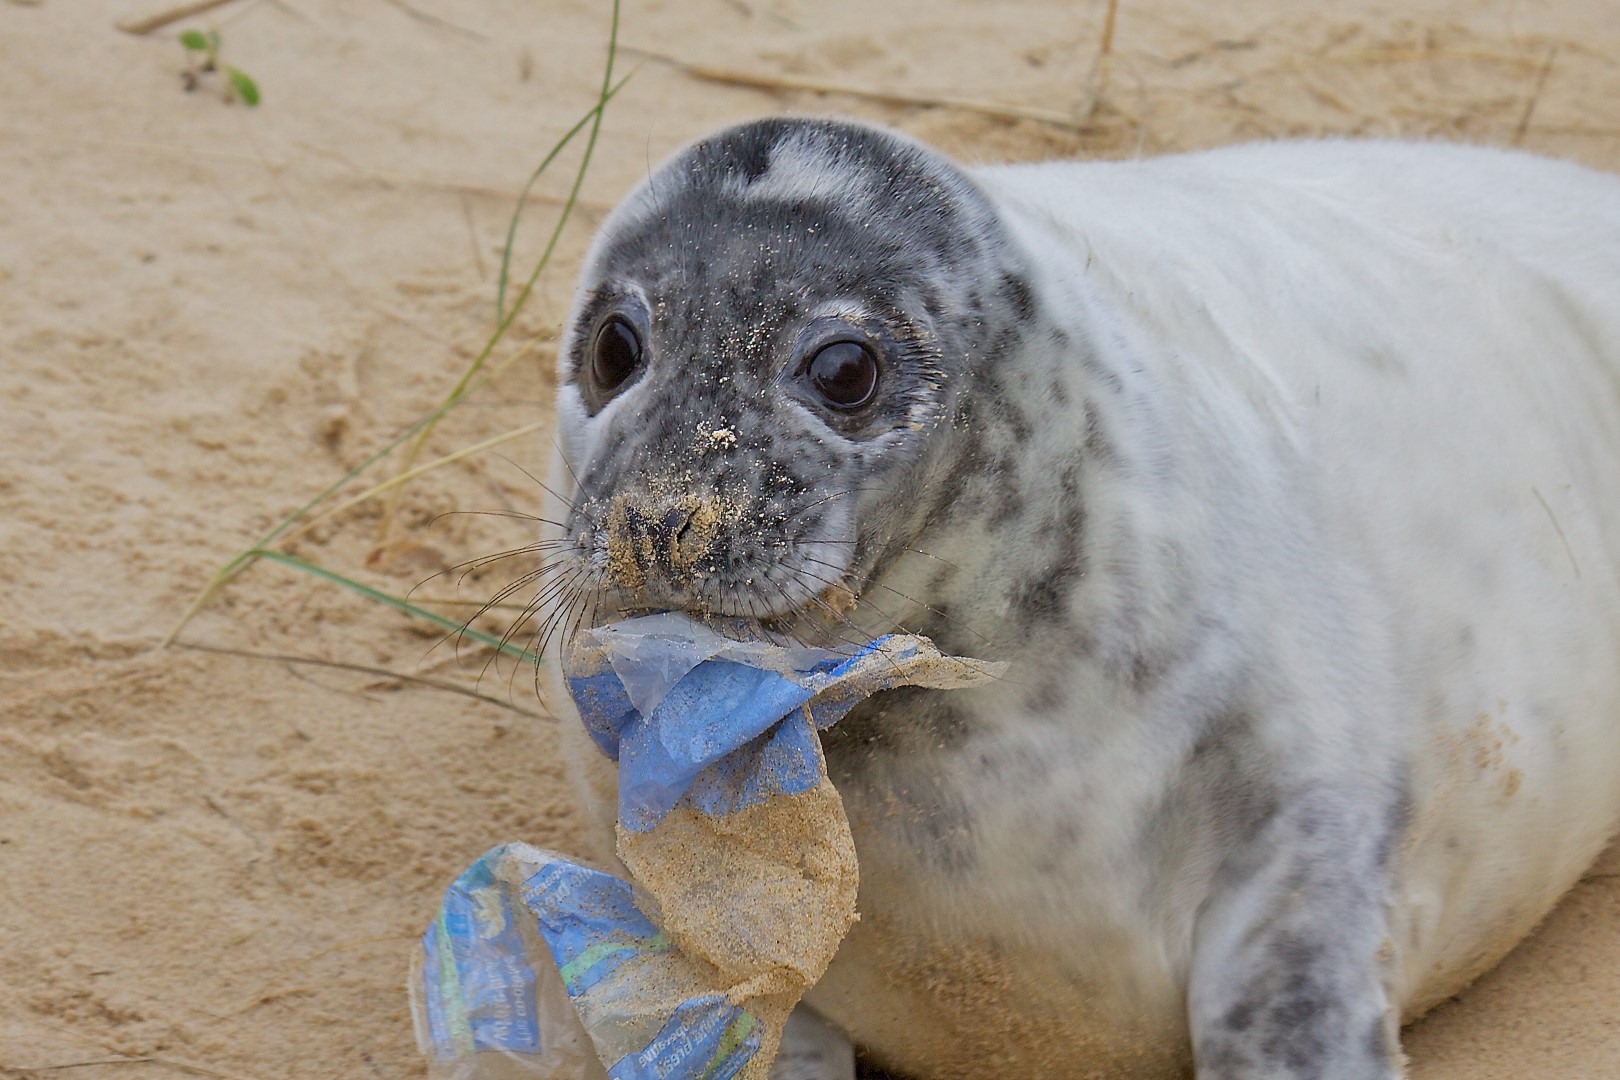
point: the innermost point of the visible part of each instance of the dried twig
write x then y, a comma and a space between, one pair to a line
430, 19
364, 669
1523, 127
195, 1067
1107, 45
158, 20
761, 81
411, 474
1100, 65
26, 1070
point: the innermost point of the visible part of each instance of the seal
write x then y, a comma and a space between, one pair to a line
1285, 476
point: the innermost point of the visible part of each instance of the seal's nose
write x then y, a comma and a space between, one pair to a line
671, 539
661, 538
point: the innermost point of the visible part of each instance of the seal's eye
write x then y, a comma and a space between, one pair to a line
844, 373
615, 354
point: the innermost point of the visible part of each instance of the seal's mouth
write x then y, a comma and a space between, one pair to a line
820, 617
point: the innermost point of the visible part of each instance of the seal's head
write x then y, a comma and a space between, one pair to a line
768, 340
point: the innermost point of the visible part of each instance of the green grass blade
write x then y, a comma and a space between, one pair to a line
423, 427
602, 98
517, 211
399, 604
245, 558
545, 257
595, 117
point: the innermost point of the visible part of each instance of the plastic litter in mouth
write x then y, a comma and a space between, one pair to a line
743, 867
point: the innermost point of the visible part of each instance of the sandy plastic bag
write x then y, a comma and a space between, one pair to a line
743, 865
538, 967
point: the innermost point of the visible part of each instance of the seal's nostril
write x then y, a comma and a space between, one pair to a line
676, 522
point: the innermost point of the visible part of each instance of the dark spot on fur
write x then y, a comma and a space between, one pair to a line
1399, 820
1240, 1017
1047, 697
1041, 599
1098, 446
1016, 292
1105, 376
1146, 669
1069, 483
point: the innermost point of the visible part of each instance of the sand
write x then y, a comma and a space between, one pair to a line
757, 901
218, 864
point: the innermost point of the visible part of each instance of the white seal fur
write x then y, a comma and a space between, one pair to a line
1287, 476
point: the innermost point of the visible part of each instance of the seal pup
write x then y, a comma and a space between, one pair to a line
1287, 478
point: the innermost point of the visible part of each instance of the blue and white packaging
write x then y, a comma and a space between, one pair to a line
540, 968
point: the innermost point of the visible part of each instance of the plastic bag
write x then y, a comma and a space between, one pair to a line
744, 868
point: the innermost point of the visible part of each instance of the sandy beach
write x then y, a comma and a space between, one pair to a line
217, 863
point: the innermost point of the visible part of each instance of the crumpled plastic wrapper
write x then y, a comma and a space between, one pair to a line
744, 868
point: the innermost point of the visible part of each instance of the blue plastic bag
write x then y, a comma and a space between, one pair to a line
536, 961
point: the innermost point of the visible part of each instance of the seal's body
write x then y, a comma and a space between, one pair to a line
1286, 476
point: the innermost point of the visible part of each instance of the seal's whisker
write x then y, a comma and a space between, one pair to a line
520, 515
542, 595
579, 485
573, 624
469, 567
512, 587
569, 624
587, 611
914, 551
505, 638
798, 615
863, 635
573, 507
833, 583
807, 507
559, 618
530, 609
910, 599
552, 606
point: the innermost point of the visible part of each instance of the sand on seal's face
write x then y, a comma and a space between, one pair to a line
208, 314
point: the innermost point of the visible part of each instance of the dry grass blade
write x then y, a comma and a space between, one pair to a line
411, 474
504, 321
196, 1068
29, 1070
246, 558
366, 669
429, 19
761, 81
158, 20
1523, 128
459, 629
423, 427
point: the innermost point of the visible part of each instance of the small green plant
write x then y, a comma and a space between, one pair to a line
202, 47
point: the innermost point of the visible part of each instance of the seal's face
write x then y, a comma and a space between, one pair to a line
767, 336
